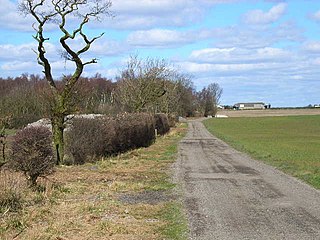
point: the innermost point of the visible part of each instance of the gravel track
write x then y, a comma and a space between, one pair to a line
228, 195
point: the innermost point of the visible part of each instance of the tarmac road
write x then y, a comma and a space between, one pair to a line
228, 195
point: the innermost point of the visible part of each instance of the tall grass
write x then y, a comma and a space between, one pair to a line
88, 201
11, 192
291, 143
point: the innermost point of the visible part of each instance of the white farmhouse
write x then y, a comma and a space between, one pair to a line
253, 105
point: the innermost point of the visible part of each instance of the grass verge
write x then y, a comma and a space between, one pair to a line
289, 143
124, 197
176, 227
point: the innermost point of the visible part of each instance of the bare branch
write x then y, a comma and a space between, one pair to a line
58, 11
88, 42
91, 62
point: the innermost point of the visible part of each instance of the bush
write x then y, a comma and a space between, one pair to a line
32, 153
162, 123
90, 138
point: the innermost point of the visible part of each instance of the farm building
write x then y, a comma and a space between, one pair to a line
254, 105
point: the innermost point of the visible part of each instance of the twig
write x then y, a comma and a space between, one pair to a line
17, 235
6, 212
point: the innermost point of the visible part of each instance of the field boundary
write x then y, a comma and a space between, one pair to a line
270, 112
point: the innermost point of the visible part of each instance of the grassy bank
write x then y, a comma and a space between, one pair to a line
288, 143
124, 197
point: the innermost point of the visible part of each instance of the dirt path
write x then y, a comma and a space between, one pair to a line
230, 196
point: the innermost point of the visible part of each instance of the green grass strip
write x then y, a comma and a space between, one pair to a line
292, 144
176, 227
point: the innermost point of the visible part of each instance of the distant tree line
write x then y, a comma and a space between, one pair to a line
149, 85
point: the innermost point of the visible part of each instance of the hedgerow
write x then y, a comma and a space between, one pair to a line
105, 136
162, 123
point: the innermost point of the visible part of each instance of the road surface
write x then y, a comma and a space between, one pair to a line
229, 196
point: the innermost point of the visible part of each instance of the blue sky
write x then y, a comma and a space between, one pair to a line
256, 50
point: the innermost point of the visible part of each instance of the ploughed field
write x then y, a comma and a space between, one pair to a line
270, 112
290, 143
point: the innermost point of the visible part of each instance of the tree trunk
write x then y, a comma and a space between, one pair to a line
57, 122
3, 148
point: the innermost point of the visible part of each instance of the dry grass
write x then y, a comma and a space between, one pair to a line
82, 202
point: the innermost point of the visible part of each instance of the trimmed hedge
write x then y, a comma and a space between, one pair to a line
87, 138
162, 123
173, 119
134, 131
105, 136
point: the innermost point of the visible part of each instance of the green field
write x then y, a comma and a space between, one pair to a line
291, 144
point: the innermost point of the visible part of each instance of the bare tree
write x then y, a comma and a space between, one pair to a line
209, 98
142, 83
63, 14
179, 95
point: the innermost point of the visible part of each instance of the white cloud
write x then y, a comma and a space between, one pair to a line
316, 61
281, 77
316, 16
15, 59
102, 47
11, 18
239, 55
233, 36
147, 7
59, 68
160, 38
312, 47
108, 48
261, 17
254, 37
268, 64
23, 51
226, 69
148, 14
18, 66
129, 14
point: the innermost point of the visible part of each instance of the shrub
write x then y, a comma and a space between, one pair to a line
89, 138
32, 153
162, 123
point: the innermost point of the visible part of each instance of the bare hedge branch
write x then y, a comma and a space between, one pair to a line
32, 153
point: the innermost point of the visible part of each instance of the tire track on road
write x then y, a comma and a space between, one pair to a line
228, 195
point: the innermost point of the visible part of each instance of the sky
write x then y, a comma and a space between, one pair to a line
256, 50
